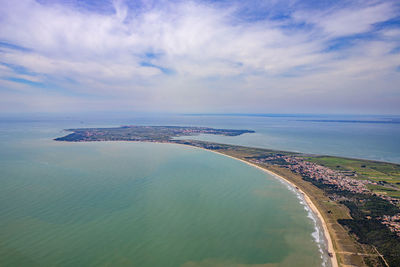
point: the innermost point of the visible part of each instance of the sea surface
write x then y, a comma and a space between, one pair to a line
146, 204
365, 137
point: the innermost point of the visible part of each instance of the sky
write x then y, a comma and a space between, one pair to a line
276, 56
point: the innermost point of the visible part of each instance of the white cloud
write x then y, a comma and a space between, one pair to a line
354, 19
199, 56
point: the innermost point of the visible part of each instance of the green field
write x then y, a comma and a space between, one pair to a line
342, 215
385, 190
387, 174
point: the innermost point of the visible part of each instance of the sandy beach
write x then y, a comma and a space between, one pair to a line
310, 204
308, 201
314, 209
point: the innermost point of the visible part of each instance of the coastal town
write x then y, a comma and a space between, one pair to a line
343, 180
361, 212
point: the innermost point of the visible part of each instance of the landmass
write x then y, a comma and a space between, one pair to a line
358, 200
142, 133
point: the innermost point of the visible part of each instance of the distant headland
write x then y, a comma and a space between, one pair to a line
352, 197
142, 133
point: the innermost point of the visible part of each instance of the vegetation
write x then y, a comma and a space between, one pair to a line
387, 175
359, 213
366, 210
142, 133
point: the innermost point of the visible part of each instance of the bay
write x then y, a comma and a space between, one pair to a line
141, 204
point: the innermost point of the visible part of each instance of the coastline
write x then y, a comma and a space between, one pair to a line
307, 199
309, 203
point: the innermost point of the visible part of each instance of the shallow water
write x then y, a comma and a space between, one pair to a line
373, 137
365, 137
141, 204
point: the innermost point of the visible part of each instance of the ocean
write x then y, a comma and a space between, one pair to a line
146, 204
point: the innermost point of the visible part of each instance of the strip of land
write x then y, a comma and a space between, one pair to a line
356, 200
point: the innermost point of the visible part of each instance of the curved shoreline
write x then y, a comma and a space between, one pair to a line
307, 199
309, 203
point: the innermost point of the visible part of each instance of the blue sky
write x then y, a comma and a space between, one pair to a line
283, 56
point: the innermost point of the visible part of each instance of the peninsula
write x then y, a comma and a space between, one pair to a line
357, 200
142, 133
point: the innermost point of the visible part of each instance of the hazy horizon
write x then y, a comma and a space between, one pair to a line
105, 114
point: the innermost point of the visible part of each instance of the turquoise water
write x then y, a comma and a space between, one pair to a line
141, 204
373, 137
366, 137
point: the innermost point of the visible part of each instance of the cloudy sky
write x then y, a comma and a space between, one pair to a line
276, 56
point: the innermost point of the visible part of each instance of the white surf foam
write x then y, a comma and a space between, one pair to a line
318, 234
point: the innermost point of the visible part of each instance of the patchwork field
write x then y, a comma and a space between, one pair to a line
387, 175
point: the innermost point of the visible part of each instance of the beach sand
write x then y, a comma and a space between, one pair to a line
333, 259
308, 201
310, 204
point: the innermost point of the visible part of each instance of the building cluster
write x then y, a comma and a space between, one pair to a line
393, 222
341, 179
